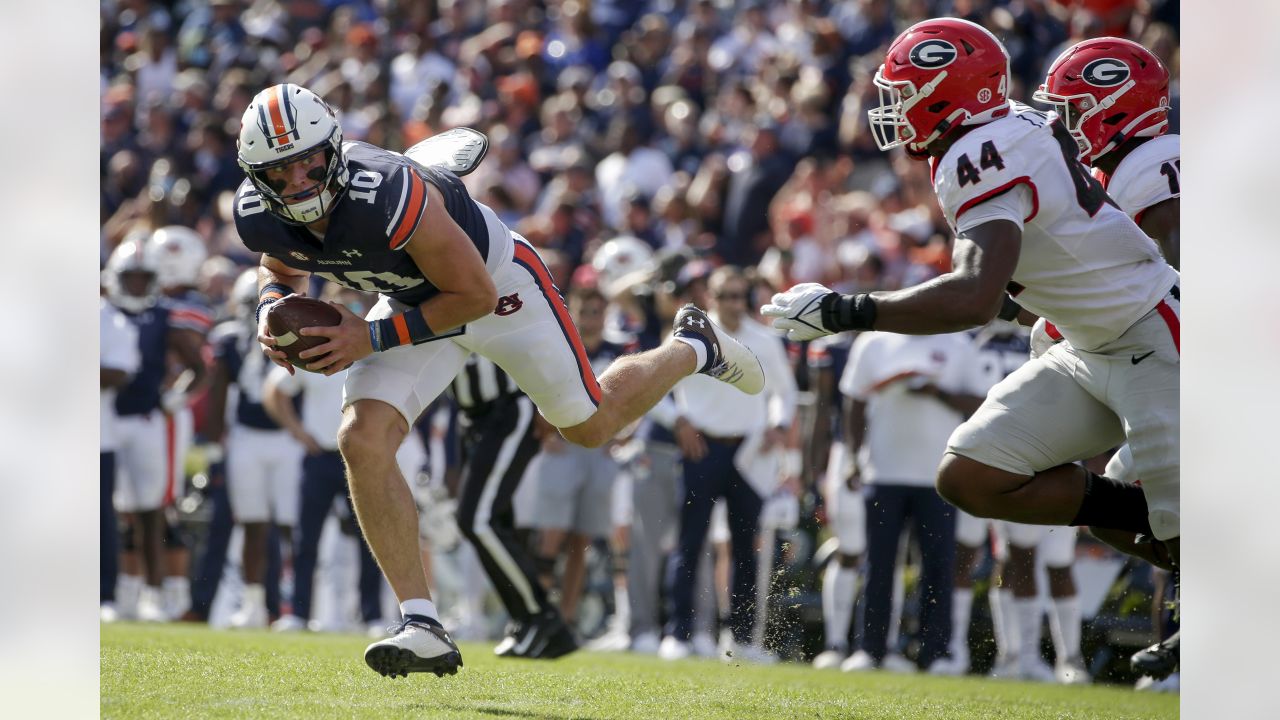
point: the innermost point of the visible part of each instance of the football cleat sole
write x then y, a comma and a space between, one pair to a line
391, 661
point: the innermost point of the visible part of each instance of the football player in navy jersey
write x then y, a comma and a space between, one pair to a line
179, 253
147, 477
453, 280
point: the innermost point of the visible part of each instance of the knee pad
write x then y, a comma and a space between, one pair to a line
127, 541
173, 538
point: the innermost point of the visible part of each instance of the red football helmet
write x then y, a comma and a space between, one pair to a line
938, 75
1107, 90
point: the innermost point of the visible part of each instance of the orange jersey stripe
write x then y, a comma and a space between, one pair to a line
414, 208
530, 259
402, 329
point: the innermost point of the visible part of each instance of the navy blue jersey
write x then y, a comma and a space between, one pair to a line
831, 353
369, 226
142, 394
236, 346
191, 310
999, 355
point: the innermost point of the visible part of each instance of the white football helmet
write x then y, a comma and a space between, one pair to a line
178, 252
244, 294
621, 259
283, 124
131, 256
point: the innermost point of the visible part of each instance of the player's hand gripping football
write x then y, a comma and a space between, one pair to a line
348, 342
268, 342
799, 311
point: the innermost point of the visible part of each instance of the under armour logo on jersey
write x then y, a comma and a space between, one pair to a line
351, 253
692, 321
508, 305
1105, 72
933, 54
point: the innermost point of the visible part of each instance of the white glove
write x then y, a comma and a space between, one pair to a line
173, 401
781, 511
798, 311
1040, 339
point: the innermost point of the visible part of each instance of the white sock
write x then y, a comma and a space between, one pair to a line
961, 609
419, 606
838, 586
1028, 614
128, 588
699, 347
1064, 625
255, 595
1002, 627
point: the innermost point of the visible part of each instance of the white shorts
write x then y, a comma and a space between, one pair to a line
144, 475
972, 531
575, 491
1120, 466
535, 342
1055, 545
846, 509
1069, 405
719, 532
264, 475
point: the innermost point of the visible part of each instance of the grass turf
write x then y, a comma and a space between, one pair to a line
185, 671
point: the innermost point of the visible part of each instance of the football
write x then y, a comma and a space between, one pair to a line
286, 317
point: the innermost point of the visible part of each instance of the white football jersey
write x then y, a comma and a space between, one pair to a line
1148, 175
1084, 265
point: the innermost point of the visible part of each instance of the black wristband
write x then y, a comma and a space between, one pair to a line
1009, 308
848, 312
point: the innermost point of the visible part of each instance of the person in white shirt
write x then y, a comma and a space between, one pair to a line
732, 448
118, 359
904, 396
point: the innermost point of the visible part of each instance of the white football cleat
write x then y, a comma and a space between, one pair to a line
858, 662
150, 606
414, 646
728, 360
673, 649
289, 623
1072, 672
893, 662
949, 666
828, 659
646, 643
1036, 670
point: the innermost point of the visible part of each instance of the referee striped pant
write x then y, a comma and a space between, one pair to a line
497, 448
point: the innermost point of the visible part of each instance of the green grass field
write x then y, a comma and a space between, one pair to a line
183, 671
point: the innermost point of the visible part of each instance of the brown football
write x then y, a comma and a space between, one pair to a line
286, 317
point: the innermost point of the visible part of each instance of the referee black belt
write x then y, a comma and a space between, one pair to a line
723, 439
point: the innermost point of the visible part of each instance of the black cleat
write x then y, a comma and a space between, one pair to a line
547, 637
515, 633
1158, 661
416, 645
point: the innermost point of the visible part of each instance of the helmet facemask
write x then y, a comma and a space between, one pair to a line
1077, 110
330, 179
890, 125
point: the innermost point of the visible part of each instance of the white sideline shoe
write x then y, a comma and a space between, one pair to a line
673, 649
828, 659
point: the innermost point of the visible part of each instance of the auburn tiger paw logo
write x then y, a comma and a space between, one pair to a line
508, 305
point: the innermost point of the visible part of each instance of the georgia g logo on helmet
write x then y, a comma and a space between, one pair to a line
1105, 72
932, 54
